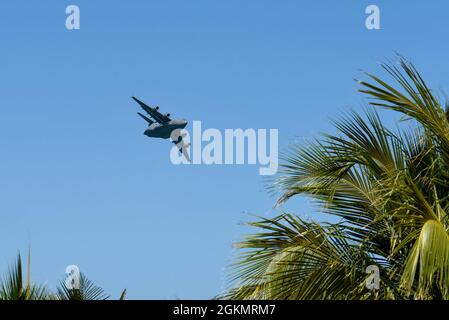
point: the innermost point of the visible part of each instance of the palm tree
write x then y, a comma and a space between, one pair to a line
389, 190
13, 287
87, 291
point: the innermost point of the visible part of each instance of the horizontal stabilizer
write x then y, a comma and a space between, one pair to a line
145, 118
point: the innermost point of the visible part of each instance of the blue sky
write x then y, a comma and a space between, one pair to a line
80, 182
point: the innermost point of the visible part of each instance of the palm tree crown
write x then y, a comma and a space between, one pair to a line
390, 191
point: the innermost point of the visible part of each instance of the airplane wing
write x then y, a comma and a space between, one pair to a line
156, 115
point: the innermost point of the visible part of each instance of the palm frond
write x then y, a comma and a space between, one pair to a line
12, 285
389, 191
87, 291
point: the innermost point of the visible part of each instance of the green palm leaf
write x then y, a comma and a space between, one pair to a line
388, 189
87, 291
12, 286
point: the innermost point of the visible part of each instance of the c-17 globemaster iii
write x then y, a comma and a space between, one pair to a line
161, 125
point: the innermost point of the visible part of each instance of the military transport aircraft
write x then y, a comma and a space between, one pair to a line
161, 125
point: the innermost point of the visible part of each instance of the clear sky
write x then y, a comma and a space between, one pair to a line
82, 184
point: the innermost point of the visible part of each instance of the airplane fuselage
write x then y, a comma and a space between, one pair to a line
158, 130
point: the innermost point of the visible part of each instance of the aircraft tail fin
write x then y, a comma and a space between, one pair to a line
145, 118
